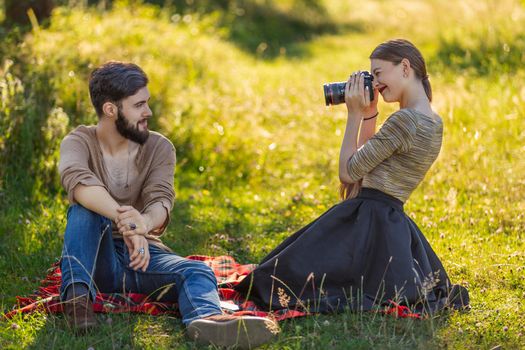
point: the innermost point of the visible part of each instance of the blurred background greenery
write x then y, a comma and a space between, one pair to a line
236, 85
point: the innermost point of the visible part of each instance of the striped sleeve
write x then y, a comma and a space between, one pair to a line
396, 135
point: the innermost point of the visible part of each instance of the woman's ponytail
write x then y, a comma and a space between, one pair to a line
427, 87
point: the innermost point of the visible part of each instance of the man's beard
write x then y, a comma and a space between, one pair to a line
130, 131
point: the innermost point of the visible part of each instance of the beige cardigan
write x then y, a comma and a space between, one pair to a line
81, 162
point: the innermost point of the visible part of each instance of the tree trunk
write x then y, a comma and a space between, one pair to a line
16, 10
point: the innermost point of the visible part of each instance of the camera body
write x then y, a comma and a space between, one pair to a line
334, 93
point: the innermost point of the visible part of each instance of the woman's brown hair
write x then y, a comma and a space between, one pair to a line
394, 51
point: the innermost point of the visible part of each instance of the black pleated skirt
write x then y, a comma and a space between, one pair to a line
358, 255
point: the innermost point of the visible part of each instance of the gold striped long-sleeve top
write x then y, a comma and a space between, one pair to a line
396, 159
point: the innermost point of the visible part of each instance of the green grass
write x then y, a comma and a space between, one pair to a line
257, 152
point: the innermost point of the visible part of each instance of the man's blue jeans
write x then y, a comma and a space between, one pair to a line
90, 251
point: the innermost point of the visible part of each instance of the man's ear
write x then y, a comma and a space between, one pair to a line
110, 109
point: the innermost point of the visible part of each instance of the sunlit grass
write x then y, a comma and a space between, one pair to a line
258, 150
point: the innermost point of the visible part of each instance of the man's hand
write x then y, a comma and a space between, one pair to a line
130, 222
138, 252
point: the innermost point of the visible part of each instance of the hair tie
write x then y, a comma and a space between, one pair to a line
425, 78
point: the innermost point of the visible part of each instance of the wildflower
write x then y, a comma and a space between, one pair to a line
430, 282
273, 327
284, 299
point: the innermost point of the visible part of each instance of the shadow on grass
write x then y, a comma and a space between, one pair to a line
114, 331
266, 31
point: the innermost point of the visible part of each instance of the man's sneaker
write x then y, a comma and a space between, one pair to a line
246, 332
78, 309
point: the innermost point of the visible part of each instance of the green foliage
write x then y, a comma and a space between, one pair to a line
31, 130
257, 150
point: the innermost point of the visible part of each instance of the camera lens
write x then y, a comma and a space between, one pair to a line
334, 93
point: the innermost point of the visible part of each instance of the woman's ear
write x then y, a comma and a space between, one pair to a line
406, 67
109, 109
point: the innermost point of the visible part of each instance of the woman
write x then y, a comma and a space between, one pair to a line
366, 251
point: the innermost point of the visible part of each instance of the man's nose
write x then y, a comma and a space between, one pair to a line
149, 113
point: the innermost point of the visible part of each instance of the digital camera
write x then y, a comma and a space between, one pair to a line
334, 93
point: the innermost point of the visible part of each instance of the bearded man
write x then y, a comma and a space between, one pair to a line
119, 179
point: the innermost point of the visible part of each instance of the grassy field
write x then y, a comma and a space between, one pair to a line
237, 88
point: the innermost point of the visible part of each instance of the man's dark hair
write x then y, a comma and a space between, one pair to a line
114, 81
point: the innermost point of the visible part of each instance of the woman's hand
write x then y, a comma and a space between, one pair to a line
357, 97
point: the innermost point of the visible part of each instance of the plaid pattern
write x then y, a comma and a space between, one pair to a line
228, 272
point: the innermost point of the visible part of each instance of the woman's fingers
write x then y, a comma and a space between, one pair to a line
347, 87
354, 82
350, 85
357, 96
366, 92
357, 84
361, 87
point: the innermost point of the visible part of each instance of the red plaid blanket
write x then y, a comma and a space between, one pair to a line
226, 269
